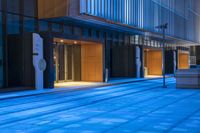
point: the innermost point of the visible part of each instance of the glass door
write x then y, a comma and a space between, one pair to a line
67, 62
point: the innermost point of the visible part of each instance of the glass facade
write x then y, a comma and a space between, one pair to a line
17, 17
1, 52
1, 47
181, 15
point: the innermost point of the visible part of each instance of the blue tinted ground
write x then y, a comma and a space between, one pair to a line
142, 107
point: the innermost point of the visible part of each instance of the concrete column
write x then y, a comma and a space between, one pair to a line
57, 63
175, 61
138, 62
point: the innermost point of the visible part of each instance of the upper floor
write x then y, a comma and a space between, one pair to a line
183, 16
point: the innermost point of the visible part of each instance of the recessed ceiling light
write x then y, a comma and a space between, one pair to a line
62, 41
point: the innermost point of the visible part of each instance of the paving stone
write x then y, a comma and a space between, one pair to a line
143, 107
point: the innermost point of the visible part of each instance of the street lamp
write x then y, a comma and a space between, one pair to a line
163, 27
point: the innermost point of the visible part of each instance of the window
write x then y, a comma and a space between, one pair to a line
1, 53
13, 6
13, 24
43, 26
29, 24
56, 27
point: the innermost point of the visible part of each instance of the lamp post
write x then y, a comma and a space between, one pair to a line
163, 27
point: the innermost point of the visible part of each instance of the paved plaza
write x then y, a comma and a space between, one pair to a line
142, 107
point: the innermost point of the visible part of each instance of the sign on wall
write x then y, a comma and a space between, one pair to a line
39, 62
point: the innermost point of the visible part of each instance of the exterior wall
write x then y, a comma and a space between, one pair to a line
181, 15
197, 54
183, 60
19, 17
52, 8
154, 62
1, 51
92, 62
123, 60
194, 20
57, 8
170, 61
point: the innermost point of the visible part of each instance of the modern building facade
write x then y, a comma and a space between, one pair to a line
88, 40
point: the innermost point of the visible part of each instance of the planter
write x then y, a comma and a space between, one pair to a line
188, 78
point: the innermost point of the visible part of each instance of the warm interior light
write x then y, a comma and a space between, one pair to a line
75, 42
61, 41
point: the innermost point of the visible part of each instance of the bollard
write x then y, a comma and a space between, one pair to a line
106, 75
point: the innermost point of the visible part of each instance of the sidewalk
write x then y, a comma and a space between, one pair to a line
114, 81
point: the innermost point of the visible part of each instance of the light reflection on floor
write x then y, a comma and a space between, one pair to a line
78, 84
153, 76
71, 84
159, 76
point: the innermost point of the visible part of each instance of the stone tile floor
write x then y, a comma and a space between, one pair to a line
142, 107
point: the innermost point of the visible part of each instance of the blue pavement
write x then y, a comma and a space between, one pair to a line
126, 108
72, 86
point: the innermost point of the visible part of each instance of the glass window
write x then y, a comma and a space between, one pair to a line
0, 4
29, 24
13, 6
56, 27
1, 53
68, 29
13, 24
43, 25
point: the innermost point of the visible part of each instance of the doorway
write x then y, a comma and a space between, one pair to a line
67, 62
183, 60
152, 62
78, 61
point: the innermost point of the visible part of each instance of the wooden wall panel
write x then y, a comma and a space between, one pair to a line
154, 62
92, 62
183, 61
76, 62
52, 8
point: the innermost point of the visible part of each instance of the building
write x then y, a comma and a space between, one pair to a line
85, 39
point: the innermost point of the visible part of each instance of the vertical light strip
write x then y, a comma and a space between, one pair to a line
92, 7
131, 12
143, 13
140, 13
83, 7
102, 8
125, 11
134, 6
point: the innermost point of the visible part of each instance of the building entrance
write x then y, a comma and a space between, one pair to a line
78, 61
67, 62
153, 62
183, 60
